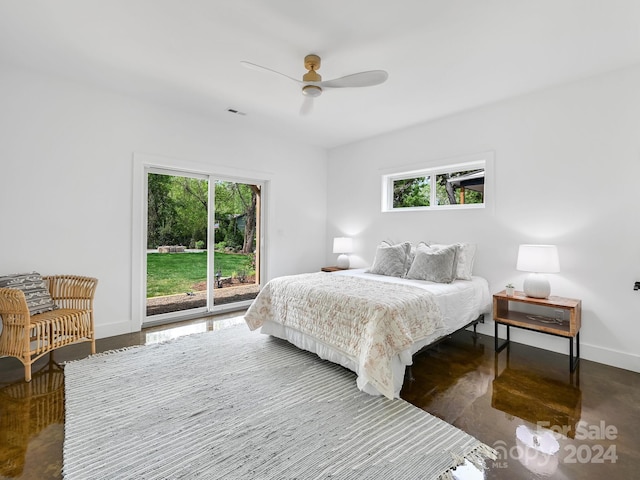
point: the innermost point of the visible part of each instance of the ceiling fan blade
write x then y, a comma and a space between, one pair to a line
362, 79
253, 66
307, 106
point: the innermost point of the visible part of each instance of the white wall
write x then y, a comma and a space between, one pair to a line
567, 171
66, 163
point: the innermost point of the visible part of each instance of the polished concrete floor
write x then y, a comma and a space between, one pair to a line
524, 403
544, 422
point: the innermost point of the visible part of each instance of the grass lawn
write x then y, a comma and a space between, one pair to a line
175, 273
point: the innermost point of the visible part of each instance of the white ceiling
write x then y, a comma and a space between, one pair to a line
443, 56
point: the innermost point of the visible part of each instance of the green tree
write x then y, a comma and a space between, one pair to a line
191, 198
236, 206
249, 198
411, 192
178, 212
160, 211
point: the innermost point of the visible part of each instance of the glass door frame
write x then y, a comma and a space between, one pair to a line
145, 164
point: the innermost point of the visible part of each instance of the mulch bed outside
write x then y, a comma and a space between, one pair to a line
234, 292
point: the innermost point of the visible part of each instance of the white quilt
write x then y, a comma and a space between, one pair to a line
372, 322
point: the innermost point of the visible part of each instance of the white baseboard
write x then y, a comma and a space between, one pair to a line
628, 361
594, 353
112, 329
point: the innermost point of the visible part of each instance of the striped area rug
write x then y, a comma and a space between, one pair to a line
234, 404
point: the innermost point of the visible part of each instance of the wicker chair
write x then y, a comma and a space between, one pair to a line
30, 337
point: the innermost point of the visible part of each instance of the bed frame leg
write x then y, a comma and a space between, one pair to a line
480, 319
409, 374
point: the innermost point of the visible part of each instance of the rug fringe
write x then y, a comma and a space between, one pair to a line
134, 347
104, 354
477, 457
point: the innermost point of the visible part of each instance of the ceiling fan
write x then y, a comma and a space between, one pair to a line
313, 85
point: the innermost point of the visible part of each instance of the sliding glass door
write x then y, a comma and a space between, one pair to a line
202, 244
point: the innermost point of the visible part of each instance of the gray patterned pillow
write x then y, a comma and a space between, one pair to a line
434, 264
466, 258
412, 254
391, 260
34, 288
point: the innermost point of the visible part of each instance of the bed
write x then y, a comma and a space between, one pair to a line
372, 321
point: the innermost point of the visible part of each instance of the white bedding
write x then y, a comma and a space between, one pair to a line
458, 303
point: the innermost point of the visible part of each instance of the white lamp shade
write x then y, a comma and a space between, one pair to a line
538, 259
342, 245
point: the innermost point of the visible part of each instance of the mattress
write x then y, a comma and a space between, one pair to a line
459, 303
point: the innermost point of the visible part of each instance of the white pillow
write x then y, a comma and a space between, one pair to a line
391, 260
466, 258
434, 264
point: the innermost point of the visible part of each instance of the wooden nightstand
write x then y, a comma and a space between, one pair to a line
568, 328
332, 269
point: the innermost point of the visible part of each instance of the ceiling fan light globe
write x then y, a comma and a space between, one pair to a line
311, 91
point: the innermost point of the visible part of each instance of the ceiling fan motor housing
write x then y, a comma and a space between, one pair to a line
312, 63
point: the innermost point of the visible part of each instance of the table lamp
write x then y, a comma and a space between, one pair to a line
538, 259
342, 245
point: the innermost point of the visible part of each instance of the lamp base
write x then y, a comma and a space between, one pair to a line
343, 261
536, 285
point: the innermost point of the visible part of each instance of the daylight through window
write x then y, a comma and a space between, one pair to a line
448, 186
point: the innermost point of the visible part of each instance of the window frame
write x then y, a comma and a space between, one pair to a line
432, 170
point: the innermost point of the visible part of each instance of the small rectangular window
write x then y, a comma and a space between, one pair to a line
447, 186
